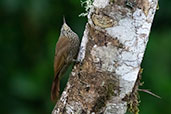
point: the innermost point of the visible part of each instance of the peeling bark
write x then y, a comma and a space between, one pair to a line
111, 53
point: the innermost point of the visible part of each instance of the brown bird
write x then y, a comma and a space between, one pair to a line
66, 51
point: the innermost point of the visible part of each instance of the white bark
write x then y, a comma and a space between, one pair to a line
122, 57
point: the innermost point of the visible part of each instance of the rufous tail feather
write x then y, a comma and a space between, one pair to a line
55, 89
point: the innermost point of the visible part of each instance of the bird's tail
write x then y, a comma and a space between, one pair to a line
55, 88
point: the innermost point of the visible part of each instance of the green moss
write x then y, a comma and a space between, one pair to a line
100, 102
158, 6
110, 90
106, 92
112, 1
133, 104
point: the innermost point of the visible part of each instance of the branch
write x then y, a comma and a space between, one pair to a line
111, 53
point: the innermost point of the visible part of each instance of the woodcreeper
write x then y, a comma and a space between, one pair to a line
66, 51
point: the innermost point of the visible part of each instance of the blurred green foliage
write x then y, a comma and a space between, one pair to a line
29, 30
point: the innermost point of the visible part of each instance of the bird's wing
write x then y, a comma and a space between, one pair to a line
61, 53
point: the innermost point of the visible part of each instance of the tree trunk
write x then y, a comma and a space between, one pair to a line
111, 53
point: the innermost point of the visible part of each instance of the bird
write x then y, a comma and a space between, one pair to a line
66, 52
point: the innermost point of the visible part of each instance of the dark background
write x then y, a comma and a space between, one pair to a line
29, 30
